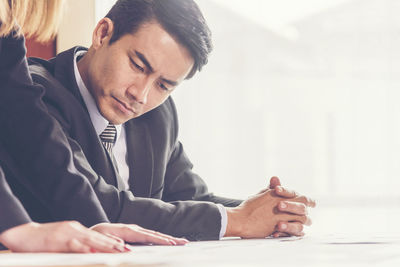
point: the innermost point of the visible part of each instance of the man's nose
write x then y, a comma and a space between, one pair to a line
140, 90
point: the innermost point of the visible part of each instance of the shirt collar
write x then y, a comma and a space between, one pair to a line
98, 121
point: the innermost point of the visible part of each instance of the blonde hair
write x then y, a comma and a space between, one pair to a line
33, 18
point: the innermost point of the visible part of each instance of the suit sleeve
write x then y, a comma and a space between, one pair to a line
181, 182
194, 220
38, 146
12, 213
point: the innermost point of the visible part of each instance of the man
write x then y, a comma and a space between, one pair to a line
113, 104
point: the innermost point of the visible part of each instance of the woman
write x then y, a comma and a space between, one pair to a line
40, 19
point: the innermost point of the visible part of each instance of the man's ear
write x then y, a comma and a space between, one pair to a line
102, 33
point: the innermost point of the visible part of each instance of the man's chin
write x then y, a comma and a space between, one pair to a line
115, 117
121, 120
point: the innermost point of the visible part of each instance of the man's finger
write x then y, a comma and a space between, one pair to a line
286, 193
102, 242
291, 228
178, 241
274, 182
296, 208
305, 200
280, 234
144, 237
303, 219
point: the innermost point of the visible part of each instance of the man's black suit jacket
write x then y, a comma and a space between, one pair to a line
167, 195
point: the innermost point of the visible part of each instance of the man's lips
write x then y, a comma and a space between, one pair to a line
127, 107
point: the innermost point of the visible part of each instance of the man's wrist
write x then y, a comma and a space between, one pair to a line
234, 225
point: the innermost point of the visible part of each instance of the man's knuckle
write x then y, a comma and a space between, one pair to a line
304, 209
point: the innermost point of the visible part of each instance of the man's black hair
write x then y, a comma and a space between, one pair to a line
182, 19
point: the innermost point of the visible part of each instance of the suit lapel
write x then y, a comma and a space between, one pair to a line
140, 157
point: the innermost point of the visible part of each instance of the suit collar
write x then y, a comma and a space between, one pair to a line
64, 71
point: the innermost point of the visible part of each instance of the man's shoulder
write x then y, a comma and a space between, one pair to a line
58, 68
43, 73
54, 76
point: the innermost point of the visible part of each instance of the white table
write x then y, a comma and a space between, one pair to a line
339, 237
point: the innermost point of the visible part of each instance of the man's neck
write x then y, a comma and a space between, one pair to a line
83, 68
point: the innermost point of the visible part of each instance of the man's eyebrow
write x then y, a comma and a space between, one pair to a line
147, 63
144, 60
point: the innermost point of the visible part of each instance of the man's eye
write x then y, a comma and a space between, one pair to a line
137, 66
162, 86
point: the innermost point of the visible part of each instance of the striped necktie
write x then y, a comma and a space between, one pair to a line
108, 137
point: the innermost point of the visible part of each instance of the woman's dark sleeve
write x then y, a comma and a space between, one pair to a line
12, 213
37, 144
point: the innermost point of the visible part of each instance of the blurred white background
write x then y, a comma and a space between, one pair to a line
305, 90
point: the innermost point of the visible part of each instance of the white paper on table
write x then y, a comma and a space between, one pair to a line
330, 250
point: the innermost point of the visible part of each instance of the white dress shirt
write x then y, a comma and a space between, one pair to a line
120, 147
